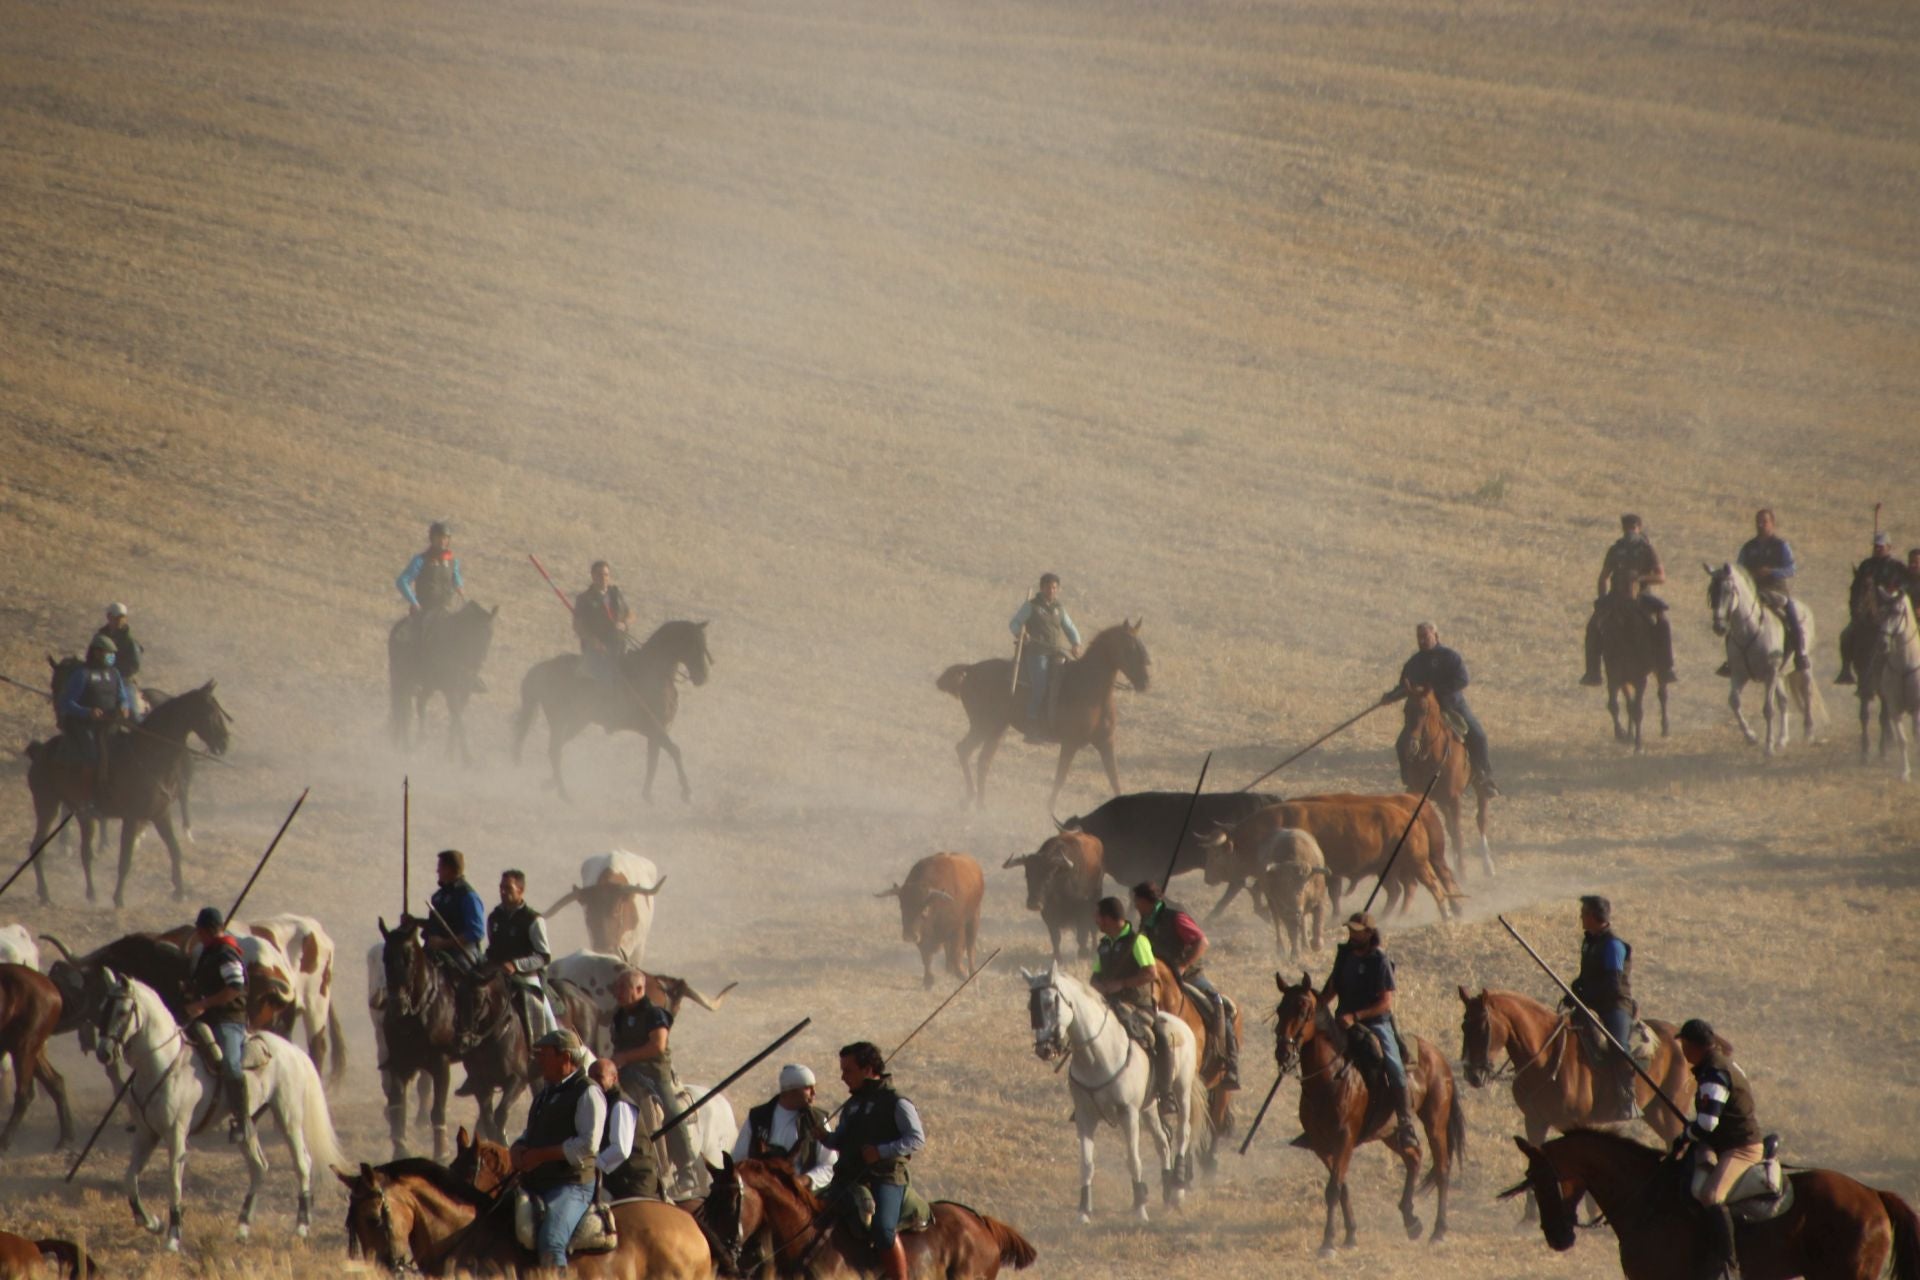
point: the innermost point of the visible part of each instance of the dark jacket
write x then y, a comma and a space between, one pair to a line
221, 967
596, 618
126, 657
1162, 930
1117, 963
510, 934
869, 1120
1723, 1122
632, 1025
1605, 982
804, 1154
1358, 981
636, 1175
1440, 669
549, 1124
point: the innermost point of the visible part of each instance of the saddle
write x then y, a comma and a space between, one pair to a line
254, 1057
1640, 1042
1364, 1052
1763, 1192
595, 1234
1051, 704
916, 1214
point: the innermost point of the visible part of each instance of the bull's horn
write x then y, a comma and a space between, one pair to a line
1210, 839
573, 895
64, 953
641, 891
1014, 860
889, 893
711, 1005
1059, 825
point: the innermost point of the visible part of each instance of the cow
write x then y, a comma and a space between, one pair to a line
940, 907
310, 952
594, 974
1137, 832
615, 894
1064, 878
29, 1012
163, 965
18, 947
1294, 884
1356, 836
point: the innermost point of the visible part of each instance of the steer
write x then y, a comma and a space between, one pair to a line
616, 894
940, 907
595, 973
1137, 832
310, 952
1356, 835
1063, 884
18, 947
1294, 883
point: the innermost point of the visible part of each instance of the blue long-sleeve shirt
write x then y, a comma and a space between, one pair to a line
1026, 611
913, 1134
412, 571
1440, 669
462, 909
1766, 558
71, 705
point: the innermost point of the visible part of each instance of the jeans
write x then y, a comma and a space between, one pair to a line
1476, 737
232, 1039
566, 1205
638, 1077
1382, 1029
1040, 668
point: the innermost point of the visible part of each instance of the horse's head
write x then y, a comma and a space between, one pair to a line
678, 643
1048, 1013
116, 1018
197, 712
1555, 1194
482, 1165
1476, 1038
1891, 611
401, 956
1294, 1019
727, 1210
1721, 594
379, 1220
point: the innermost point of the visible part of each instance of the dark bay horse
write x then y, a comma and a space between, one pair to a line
1084, 713
1836, 1229
643, 700
417, 1025
448, 663
769, 1221
1554, 1083
63, 669
1424, 741
416, 1215
1629, 651
1338, 1113
145, 775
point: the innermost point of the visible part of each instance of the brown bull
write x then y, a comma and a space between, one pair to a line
940, 907
29, 1011
1063, 884
1357, 834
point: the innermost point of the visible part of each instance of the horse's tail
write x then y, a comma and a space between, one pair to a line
336, 1044
316, 1121
1015, 1249
1906, 1236
953, 679
1456, 1142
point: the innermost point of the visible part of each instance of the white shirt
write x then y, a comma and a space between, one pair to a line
588, 1115
622, 1122
786, 1133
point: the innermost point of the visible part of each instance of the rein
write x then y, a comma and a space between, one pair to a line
1072, 1044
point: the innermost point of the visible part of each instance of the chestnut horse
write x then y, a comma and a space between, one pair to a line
1553, 1081
29, 1013
24, 1259
1836, 1229
1628, 651
1170, 997
1422, 746
766, 1218
1337, 1112
1084, 713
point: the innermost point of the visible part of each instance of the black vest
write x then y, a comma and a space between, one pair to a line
510, 933
1360, 980
1161, 933
550, 1123
635, 1176
1046, 633
101, 689
208, 982
631, 1026
433, 585
1739, 1126
1117, 964
805, 1150
869, 1121
1603, 992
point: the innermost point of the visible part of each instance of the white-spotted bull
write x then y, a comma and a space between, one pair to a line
615, 894
940, 907
309, 951
18, 947
1064, 877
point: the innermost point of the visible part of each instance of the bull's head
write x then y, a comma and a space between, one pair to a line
1217, 846
608, 907
1042, 866
916, 909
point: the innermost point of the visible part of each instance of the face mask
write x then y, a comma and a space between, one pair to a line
108, 658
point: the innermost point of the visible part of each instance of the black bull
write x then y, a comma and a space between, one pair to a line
1137, 831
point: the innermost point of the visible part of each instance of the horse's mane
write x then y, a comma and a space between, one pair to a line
439, 1177
1631, 1147
1110, 635
670, 632
782, 1172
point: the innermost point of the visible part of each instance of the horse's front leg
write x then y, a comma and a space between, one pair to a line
984, 762
1068, 750
288, 1113
395, 1087
163, 823
176, 1179
144, 1143
42, 822
129, 834
1739, 684
257, 1176
1613, 709
441, 1074
1130, 1134
1086, 1120
1105, 748
1410, 1160
87, 829
672, 749
1664, 727
1335, 1188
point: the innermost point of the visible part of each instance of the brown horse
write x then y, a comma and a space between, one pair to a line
1084, 714
770, 1222
1423, 746
1170, 997
1554, 1082
415, 1214
29, 1012
1836, 1229
147, 772
1337, 1112
1630, 653
24, 1259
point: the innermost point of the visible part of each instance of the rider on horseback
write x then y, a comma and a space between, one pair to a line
600, 620
1047, 637
1724, 1135
1878, 570
1123, 973
126, 648
455, 906
219, 1005
640, 1031
1605, 985
1444, 671
1362, 981
1768, 558
880, 1131
517, 947
782, 1128
1631, 566
626, 1155
555, 1155
1179, 944
431, 581
95, 699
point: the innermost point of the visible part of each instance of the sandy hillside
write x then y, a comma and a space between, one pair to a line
1279, 327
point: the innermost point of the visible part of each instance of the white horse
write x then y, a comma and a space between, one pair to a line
715, 1130
1899, 684
1756, 653
1110, 1078
175, 1093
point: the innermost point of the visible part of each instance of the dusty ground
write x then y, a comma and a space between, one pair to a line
1280, 326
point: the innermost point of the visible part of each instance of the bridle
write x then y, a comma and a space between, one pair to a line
1509, 1069
391, 1255
1721, 594
1292, 1062
122, 1011
1060, 1042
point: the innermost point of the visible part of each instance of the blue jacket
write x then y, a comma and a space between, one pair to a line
71, 706
412, 571
1766, 558
461, 907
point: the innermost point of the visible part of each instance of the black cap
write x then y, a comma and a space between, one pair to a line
440, 528
1629, 518
209, 918
1697, 1031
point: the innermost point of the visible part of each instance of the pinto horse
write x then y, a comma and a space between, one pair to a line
768, 1220
1554, 1083
147, 771
643, 700
1084, 712
1337, 1112
1428, 743
1836, 1229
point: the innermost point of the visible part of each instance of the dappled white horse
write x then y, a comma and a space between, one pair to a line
1110, 1078
1899, 679
1756, 652
715, 1130
175, 1094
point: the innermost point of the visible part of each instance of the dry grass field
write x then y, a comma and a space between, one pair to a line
1281, 326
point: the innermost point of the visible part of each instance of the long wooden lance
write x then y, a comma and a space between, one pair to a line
674, 1122
1180, 836
1581, 1005
1019, 647
937, 1011
638, 698
1377, 885
127, 725
406, 842
36, 851
1344, 724
262, 864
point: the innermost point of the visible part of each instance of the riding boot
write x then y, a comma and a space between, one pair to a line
1725, 1258
1592, 678
240, 1122
1796, 638
1663, 648
1229, 1045
893, 1263
1405, 1133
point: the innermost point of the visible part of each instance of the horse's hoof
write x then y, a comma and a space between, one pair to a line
242, 1231
46, 901
1140, 1214
1328, 1253
1414, 1228
1439, 1235
173, 1244
152, 1224
1086, 1219
301, 1231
